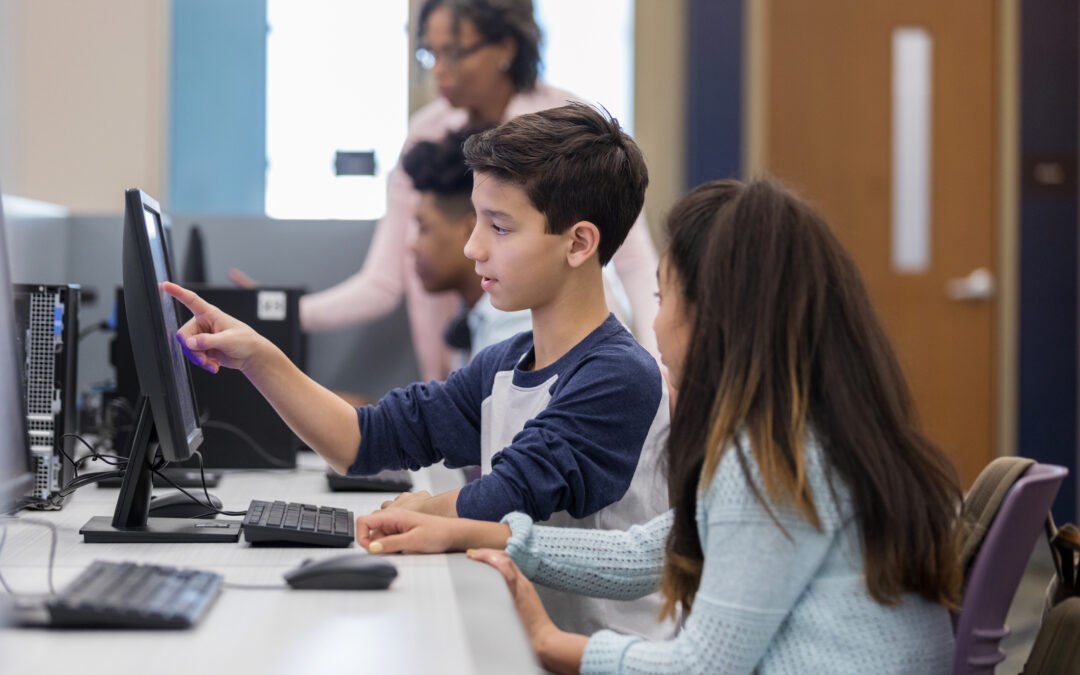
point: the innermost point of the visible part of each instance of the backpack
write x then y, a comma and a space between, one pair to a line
1057, 644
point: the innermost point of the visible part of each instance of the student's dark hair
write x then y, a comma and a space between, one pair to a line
439, 167
785, 340
496, 20
574, 163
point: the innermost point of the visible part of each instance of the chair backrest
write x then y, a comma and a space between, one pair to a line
997, 566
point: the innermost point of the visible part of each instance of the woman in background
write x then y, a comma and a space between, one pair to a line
484, 56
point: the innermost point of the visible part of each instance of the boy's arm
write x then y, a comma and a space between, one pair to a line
212, 340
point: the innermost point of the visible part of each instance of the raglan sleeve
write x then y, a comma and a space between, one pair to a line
422, 424
580, 453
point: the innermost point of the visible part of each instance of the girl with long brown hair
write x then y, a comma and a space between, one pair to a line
812, 526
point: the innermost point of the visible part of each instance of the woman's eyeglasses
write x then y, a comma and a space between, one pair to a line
427, 58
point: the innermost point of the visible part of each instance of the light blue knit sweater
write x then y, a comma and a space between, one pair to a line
768, 602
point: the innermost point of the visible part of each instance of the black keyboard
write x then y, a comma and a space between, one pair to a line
126, 595
391, 480
298, 524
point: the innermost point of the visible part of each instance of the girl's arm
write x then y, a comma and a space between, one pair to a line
754, 574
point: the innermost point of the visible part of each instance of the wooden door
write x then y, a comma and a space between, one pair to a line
827, 129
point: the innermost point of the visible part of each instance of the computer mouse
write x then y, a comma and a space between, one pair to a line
349, 572
179, 505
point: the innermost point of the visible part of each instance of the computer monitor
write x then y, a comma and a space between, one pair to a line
16, 473
195, 258
165, 415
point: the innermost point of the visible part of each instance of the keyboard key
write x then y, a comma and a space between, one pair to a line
300, 525
125, 595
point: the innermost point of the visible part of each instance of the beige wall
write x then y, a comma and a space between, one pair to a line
85, 88
660, 101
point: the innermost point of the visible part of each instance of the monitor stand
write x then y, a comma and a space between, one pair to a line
130, 523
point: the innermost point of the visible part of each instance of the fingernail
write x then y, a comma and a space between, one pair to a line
470, 552
192, 343
375, 547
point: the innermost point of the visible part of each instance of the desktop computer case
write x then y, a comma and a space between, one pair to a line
228, 397
47, 330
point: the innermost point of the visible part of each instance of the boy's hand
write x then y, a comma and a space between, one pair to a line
212, 339
443, 504
407, 500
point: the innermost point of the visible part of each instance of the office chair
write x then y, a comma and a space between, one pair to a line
997, 564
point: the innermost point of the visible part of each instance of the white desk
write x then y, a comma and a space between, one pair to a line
443, 613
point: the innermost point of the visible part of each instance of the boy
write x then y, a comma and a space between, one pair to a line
446, 218
567, 420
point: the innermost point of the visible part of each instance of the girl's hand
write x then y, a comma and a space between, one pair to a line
396, 530
538, 625
212, 339
558, 652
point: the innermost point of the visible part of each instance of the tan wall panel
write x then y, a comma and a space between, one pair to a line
88, 88
660, 101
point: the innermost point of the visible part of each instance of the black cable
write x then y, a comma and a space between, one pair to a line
208, 504
94, 328
89, 479
249, 441
111, 460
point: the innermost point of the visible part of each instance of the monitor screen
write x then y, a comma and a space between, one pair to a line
152, 325
15, 465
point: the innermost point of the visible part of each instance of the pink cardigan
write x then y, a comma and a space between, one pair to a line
388, 270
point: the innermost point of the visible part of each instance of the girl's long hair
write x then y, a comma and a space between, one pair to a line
785, 340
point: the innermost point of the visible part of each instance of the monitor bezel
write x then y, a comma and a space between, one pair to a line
146, 326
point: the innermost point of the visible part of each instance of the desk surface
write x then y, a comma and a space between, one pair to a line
444, 613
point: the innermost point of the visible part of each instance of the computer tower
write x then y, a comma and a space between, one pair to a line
240, 429
47, 332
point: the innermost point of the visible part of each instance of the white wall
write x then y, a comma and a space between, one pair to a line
83, 100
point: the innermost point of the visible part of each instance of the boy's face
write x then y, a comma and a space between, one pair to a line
440, 241
520, 265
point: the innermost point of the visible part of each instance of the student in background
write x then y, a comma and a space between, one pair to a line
567, 420
484, 56
812, 527
445, 220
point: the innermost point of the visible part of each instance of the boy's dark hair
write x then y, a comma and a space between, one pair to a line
497, 19
439, 168
574, 163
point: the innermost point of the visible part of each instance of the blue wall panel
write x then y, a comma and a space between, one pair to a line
714, 90
217, 137
1048, 242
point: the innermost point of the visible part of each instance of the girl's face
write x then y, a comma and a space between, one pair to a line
673, 324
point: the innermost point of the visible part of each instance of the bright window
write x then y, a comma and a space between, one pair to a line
589, 51
336, 80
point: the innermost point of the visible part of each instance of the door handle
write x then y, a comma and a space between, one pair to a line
979, 285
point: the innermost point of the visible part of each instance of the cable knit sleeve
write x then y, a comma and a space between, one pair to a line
754, 574
598, 563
